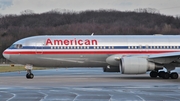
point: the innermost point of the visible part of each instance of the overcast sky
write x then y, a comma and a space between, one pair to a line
168, 7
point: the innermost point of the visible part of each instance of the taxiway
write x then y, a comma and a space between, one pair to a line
85, 84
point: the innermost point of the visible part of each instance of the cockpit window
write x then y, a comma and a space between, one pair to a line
18, 46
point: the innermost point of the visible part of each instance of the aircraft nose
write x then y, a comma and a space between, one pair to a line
6, 55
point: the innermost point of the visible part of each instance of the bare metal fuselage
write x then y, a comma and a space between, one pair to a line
86, 51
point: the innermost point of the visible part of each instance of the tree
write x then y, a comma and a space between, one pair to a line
147, 10
27, 12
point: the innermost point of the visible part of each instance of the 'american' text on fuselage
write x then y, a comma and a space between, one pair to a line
72, 42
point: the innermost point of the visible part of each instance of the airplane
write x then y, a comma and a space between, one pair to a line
127, 54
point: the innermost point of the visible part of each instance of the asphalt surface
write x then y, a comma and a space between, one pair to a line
86, 84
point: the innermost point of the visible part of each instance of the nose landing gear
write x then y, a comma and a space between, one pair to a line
29, 74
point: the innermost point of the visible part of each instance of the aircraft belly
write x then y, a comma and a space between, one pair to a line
68, 60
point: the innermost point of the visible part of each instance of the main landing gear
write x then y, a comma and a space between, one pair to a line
29, 74
164, 75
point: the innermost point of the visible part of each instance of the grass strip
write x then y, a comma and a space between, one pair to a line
17, 68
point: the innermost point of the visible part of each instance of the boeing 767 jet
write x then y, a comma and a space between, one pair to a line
131, 54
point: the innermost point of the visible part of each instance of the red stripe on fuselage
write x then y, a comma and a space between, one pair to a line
86, 52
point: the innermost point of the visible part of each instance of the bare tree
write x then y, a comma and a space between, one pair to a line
147, 10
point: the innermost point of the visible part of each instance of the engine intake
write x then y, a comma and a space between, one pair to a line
135, 65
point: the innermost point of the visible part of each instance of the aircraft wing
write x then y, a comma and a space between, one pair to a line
162, 59
165, 58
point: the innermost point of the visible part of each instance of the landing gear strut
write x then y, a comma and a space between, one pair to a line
29, 74
164, 75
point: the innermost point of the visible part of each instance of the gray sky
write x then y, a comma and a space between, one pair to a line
168, 7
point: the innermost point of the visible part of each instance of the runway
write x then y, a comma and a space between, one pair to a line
86, 84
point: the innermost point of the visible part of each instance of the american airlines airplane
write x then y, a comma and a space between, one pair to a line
132, 54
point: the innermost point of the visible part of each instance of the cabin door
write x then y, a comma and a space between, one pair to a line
39, 49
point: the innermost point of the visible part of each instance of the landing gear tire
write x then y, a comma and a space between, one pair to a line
174, 75
166, 75
161, 74
29, 76
153, 74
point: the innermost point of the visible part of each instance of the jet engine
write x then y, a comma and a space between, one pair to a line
135, 65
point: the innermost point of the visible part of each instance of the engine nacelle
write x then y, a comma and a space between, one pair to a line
111, 69
135, 65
